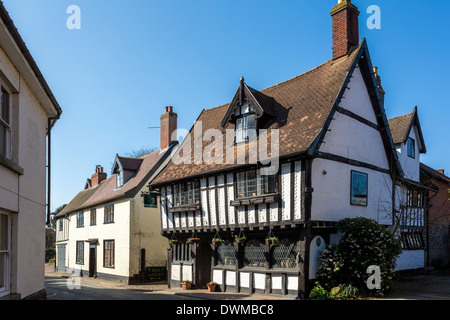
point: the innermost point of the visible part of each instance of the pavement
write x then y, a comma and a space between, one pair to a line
162, 288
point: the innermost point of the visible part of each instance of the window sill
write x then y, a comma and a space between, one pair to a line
268, 198
186, 207
11, 165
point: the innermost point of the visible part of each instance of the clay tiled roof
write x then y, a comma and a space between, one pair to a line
106, 191
434, 173
400, 127
131, 164
301, 106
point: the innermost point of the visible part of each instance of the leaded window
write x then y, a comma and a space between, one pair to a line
108, 253
186, 193
285, 256
80, 219
226, 254
109, 214
252, 183
80, 252
254, 254
93, 217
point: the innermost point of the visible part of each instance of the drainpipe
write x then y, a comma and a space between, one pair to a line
49, 148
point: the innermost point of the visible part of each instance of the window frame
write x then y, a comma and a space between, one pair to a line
260, 185
80, 219
109, 258
61, 224
411, 148
6, 124
79, 256
6, 252
119, 179
191, 195
93, 217
352, 196
108, 216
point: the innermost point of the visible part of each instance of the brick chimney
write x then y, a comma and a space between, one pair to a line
98, 176
345, 28
168, 126
380, 87
441, 171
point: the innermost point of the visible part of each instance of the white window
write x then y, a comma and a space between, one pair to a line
119, 179
5, 124
5, 253
245, 123
245, 128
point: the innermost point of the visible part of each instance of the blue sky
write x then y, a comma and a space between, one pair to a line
114, 76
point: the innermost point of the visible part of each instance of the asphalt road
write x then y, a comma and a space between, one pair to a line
59, 288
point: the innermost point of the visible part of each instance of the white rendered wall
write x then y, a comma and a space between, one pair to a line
331, 196
119, 231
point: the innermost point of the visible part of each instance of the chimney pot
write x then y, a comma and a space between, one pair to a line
441, 171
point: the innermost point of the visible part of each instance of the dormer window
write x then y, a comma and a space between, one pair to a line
245, 123
119, 179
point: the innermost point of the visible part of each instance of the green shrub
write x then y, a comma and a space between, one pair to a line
50, 253
318, 293
340, 292
365, 243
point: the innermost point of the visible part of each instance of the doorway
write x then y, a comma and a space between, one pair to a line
92, 260
203, 264
61, 254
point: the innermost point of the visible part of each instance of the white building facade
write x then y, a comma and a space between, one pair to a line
27, 113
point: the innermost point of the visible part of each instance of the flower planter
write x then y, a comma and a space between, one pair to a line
186, 285
211, 286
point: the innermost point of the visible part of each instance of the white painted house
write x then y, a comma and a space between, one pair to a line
410, 194
28, 111
328, 139
111, 229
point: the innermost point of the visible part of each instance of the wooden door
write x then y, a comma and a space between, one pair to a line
203, 264
92, 261
61, 267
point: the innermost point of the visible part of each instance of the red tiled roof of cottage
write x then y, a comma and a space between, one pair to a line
106, 191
